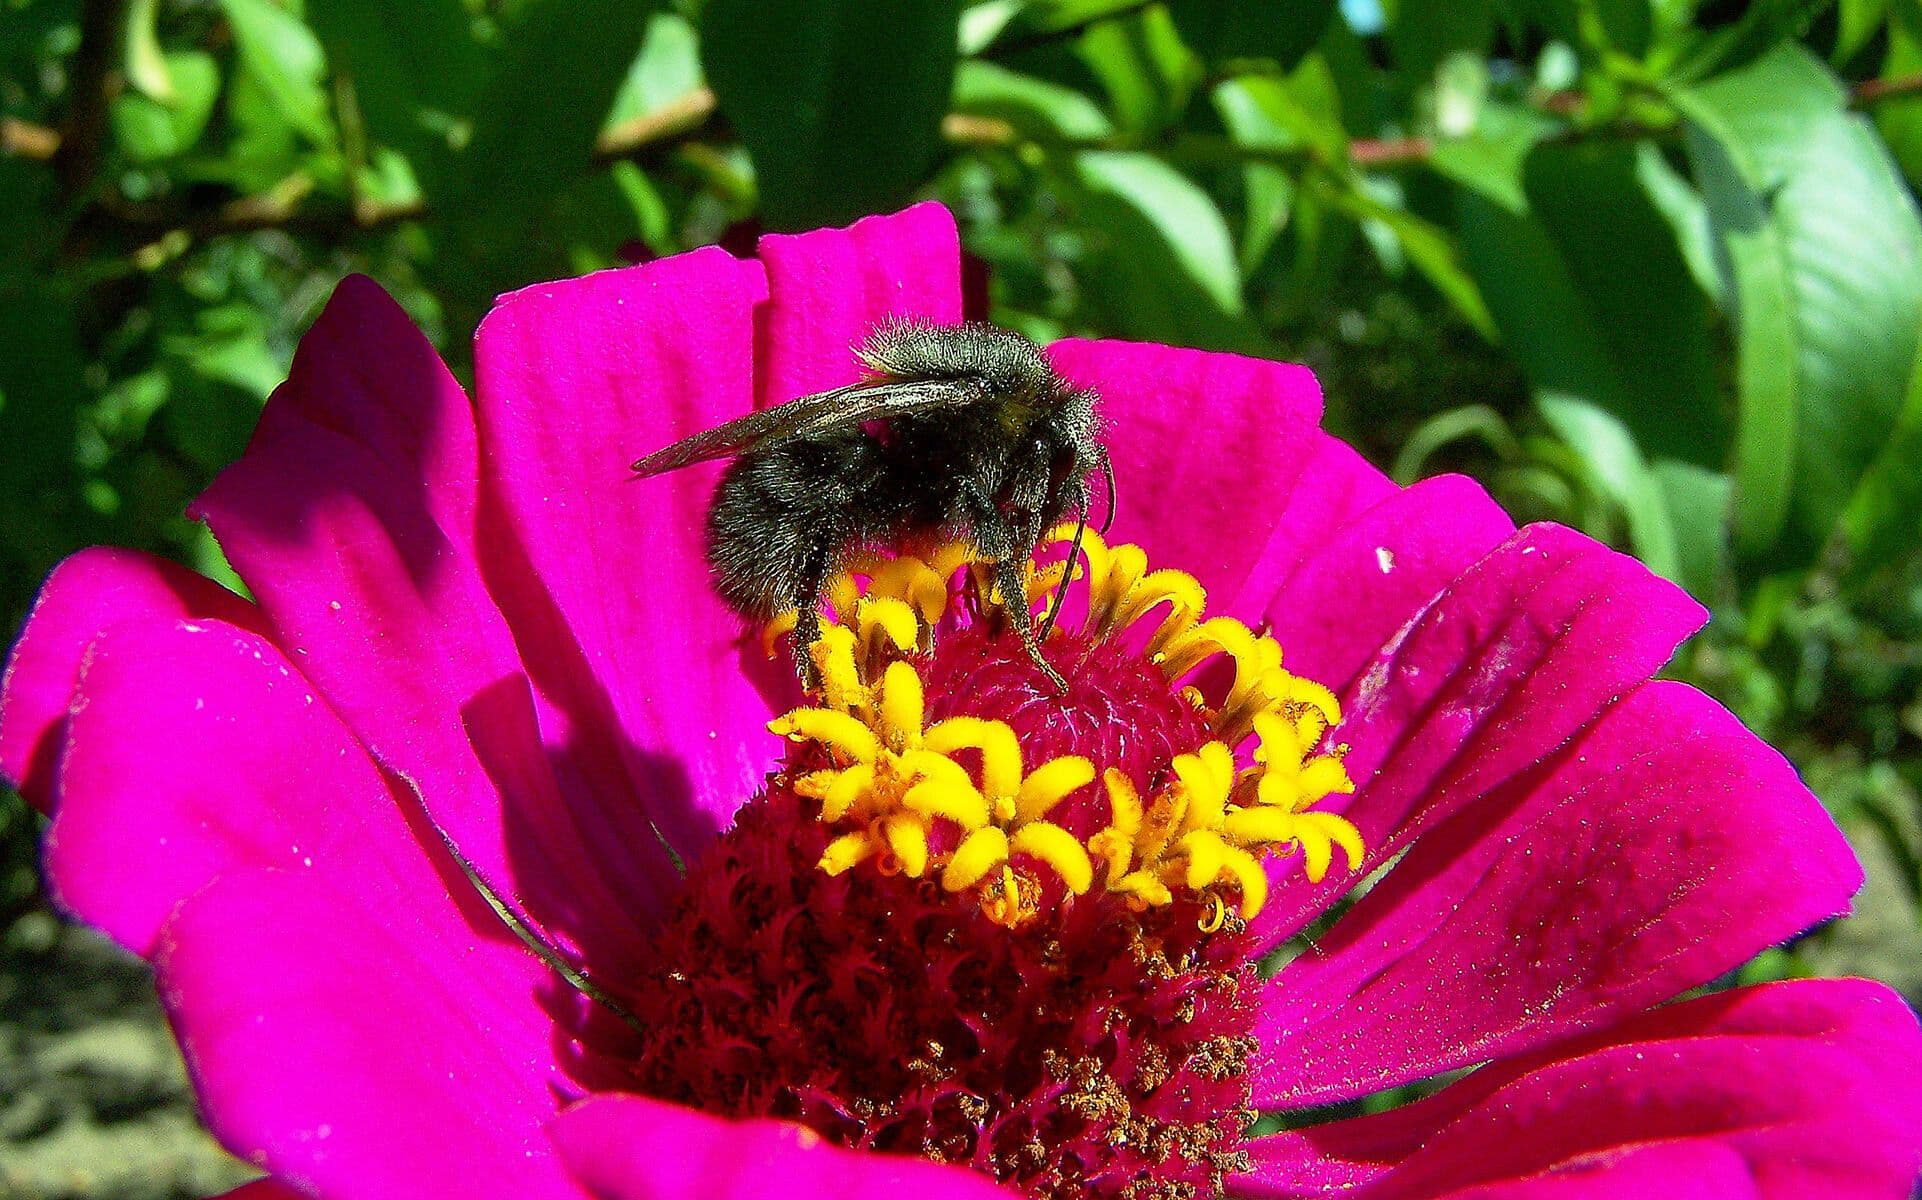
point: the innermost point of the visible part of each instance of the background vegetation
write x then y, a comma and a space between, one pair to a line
1649, 267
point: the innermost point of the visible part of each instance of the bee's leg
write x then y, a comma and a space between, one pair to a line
807, 618
1010, 575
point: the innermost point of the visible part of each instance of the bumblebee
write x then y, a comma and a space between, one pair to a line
957, 432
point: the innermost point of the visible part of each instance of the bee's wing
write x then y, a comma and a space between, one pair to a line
813, 416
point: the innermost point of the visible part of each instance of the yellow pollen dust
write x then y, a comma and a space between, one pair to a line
901, 800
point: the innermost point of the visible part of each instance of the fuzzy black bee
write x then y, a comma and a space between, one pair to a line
961, 431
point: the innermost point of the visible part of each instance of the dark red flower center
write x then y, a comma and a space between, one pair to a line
951, 927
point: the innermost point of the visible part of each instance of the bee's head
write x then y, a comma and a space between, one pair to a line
1073, 433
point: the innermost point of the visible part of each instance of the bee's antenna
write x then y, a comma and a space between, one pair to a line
1107, 515
1074, 556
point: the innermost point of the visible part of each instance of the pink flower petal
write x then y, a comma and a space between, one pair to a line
1203, 446
1365, 578
360, 1043
335, 516
828, 289
605, 576
633, 1148
195, 747
1500, 669
1707, 1074
1665, 847
263, 1189
1335, 486
86, 595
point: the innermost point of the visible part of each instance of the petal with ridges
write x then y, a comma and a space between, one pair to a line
88, 594
633, 1148
1202, 443
1365, 578
828, 289
1706, 1074
604, 576
334, 518
358, 1043
1665, 847
1487, 681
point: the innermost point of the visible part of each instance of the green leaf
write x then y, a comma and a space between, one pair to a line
1147, 72
284, 57
1822, 257
1856, 22
533, 141
149, 129
666, 70
1280, 30
841, 112
1884, 517
1267, 190
1036, 108
1593, 298
1698, 501
414, 80
1422, 33
1490, 158
1166, 269
1427, 247
1619, 471
146, 65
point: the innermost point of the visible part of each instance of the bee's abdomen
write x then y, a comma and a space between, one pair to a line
790, 512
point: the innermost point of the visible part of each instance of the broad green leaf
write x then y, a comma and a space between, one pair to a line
1426, 246
149, 129
533, 140
842, 111
1166, 268
1036, 108
1697, 500
1686, 213
146, 65
281, 54
1422, 33
1280, 30
1145, 69
1856, 22
1822, 253
1267, 190
414, 79
1616, 465
1594, 300
1884, 516
1490, 158
666, 70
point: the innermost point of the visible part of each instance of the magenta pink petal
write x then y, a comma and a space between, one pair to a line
1335, 486
604, 576
364, 371
1667, 846
1358, 586
828, 289
633, 1148
86, 595
1500, 669
334, 517
194, 748
1709, 1073
360, 1043
264, 1189
1203, 444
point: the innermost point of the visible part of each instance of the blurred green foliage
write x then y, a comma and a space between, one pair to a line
1649, 267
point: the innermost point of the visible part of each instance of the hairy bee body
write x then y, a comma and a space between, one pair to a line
960, 432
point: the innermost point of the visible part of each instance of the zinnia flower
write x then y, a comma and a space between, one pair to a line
933, 927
